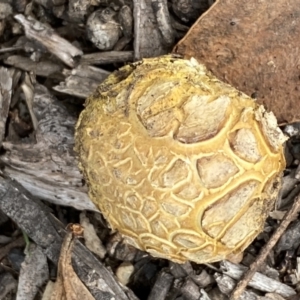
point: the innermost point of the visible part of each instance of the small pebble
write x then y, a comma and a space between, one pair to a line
124, 272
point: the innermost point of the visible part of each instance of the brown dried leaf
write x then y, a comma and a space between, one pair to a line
253, 45
68, 286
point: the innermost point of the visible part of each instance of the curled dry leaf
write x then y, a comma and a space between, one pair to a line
68, 286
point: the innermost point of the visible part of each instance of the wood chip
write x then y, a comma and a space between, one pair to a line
109, 57
161, 286
44, 35
92, 241
81, 81
34, 273
42, 68
8, 285
190, 290
27, 212
145, 26
5, 98
258, 281
124, 272
48, 168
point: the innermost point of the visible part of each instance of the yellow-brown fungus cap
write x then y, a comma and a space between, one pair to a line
183, 165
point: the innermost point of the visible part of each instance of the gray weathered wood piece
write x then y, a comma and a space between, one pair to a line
5, 99
47, 232
259, 281
47, 37
48, 168
148, 41
81, 81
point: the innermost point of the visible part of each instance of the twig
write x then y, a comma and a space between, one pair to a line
259, 281
290, 216
10, 49
17, 243
137, 20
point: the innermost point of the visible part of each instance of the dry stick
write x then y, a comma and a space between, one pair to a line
289, 216
19, 242
137, 19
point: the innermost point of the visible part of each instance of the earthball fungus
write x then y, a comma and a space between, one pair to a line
183, 165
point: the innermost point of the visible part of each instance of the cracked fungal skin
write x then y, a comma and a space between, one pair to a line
183, 165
